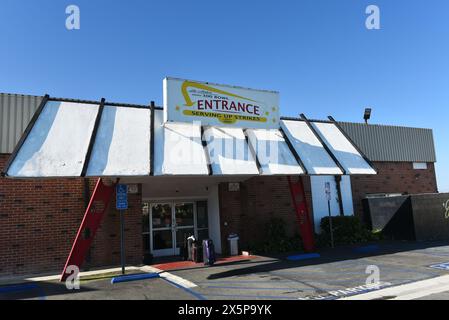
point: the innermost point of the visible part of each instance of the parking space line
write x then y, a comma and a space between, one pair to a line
255, 288
169, 276
251, 296
175, 280
242, 281
188, 290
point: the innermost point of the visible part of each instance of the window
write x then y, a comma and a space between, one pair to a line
420, 165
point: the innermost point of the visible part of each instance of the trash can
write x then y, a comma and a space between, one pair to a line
190, 241
233, 244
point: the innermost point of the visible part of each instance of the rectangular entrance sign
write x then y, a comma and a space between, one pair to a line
220, 105
121, 191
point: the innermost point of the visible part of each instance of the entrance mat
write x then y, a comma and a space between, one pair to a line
190, 264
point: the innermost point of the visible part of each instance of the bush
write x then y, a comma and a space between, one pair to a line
277, 240
347, 230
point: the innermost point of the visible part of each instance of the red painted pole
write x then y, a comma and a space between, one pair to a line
302, 213
93, 216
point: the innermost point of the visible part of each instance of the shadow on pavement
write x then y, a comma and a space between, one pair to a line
37, 290
327, 256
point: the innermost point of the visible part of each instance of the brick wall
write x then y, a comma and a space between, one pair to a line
39, 220
106, 245
248, 211
393, 177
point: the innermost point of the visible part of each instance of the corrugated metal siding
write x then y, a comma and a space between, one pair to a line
16, 111
392, 143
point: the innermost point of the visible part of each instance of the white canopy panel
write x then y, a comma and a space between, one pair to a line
273, 152
178, 148
309, 148
229, 153
348, 156
65, 134
57, 143
122, 143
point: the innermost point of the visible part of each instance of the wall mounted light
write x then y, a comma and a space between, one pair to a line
367, 115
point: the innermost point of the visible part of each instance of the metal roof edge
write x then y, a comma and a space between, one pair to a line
383, 125
119, 104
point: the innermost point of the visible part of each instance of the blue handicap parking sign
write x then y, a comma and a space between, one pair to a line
121, 191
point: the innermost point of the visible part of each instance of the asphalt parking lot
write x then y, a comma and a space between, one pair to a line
337, 273
340, 269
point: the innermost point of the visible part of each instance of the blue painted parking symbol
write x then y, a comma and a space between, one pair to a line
441, 266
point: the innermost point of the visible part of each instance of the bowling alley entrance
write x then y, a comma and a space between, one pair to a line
166, 225
192, 168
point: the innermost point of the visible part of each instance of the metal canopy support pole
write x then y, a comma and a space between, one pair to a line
317, 135
122, 241
92, 138
206, 151
25, 134
152, 107
331, 229
293, 151
253, 151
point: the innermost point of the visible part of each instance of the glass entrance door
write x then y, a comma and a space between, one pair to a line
161, 229
170, 224
185, 223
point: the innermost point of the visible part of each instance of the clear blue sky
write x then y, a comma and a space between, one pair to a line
317, 53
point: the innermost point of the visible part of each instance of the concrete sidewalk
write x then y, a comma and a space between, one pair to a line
55, 277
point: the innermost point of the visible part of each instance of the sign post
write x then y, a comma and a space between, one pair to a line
121, 205
327, 187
